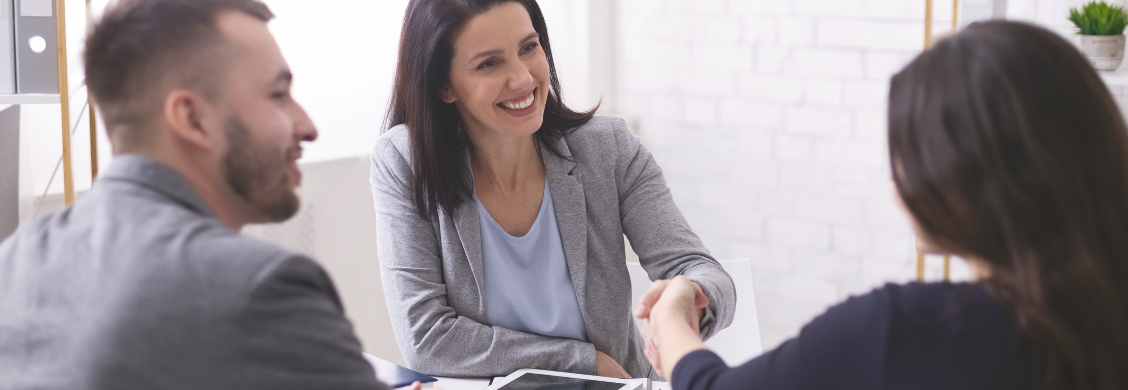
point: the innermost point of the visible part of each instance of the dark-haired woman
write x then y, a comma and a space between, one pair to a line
1007, 150
501, 212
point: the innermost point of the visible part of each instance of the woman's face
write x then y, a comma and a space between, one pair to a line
499, 73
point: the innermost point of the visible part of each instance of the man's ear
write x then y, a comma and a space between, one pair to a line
446, 95
187, 115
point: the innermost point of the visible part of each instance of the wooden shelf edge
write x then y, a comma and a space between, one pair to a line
31, 98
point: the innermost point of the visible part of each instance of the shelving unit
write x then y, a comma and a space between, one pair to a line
63, 99
31, 98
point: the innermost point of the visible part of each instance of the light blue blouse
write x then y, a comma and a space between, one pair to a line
528, 287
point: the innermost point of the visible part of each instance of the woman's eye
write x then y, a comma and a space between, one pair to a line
528, 48
487, 64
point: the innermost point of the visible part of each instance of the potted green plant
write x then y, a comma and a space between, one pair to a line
1101, 26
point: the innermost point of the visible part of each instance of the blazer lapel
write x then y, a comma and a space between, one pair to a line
466, 223
571, 214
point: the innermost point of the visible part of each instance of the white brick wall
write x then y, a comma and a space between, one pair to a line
768, 118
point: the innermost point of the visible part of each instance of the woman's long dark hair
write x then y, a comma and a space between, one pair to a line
441, 176
1008, 148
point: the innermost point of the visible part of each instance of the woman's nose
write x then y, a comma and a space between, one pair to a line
520, 79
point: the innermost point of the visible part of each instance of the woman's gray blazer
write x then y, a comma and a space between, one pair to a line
433, 277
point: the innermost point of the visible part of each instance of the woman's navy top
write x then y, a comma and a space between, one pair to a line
916, 336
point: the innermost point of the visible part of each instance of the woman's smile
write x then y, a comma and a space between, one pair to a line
521, 106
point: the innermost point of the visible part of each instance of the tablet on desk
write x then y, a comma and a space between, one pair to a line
393, 375
552, 380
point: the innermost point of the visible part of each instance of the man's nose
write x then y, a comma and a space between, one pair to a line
304, 129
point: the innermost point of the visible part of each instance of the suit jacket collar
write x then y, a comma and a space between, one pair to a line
466, 223
571, 214
148, 173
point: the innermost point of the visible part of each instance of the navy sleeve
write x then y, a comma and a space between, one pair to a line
843, 348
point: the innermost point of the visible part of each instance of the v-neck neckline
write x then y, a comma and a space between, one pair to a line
545, 198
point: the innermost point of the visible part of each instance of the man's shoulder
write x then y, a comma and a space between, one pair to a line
130, 284
195, 246
220, 246
233, 265
132, 241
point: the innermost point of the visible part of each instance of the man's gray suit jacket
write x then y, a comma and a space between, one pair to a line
139, 286
608, 186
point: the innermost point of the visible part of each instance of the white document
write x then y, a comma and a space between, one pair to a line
552, 380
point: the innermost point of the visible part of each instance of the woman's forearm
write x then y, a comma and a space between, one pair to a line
676, 338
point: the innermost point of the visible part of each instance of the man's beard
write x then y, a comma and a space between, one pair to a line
258, 174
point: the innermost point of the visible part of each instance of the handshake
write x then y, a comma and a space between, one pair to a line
671, 312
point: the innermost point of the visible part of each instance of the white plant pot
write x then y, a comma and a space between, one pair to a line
1105, 52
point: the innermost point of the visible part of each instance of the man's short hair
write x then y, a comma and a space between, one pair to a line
142, 49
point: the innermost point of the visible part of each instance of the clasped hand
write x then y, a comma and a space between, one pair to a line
671, 311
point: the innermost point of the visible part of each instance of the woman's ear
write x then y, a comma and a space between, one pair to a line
446, 95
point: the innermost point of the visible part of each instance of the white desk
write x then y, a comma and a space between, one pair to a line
460, 383
479, 384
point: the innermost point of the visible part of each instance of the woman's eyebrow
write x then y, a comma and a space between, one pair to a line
495, 52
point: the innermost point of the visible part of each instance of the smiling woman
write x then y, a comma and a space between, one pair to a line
434, 72
501, 212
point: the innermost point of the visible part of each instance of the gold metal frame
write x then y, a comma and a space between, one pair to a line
64, 103
90, 105
928, 44
64, 99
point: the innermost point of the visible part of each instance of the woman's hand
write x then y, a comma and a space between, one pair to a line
650, 347
414, 386
608, 367
671, 326
651, 296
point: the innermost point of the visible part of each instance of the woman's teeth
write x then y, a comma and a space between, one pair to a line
521, 105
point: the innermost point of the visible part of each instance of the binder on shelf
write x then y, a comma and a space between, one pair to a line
37, 62
9, 169
7, 47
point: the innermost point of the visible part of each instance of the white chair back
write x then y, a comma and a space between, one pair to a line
739, 342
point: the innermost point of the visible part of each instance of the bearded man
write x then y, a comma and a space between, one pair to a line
146, 283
